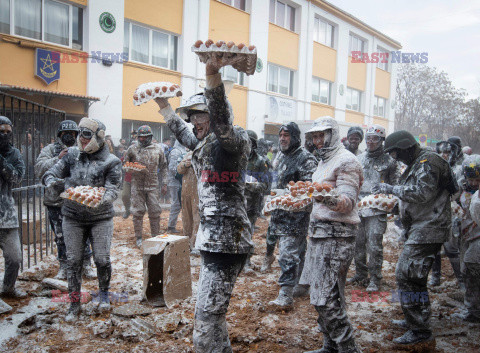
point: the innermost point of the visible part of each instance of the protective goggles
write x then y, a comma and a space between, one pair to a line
200, 118
86, 133
374, 139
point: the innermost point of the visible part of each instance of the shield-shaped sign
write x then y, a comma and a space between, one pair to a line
47, 65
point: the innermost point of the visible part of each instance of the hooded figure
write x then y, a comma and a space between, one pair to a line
354, 139
12, 170
144, 183
91, 164
220, 155
424, 191
331, 242
67, 134
377, 166
292, 163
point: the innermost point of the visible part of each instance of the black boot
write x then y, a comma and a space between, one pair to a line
414, 337
401, 323
329, 346
73, 312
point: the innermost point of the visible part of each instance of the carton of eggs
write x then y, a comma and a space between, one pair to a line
86, 195
381, 202
152, 90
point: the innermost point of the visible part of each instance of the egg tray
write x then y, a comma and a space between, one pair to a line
248, 54
133, 166
152, 90
83, 195
457, 210
300, 202
380, 202
130, 169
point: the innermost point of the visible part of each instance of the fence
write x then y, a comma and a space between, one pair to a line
34, 126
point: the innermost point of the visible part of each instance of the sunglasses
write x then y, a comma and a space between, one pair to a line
86, 133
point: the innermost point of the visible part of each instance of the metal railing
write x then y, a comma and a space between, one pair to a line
34, 127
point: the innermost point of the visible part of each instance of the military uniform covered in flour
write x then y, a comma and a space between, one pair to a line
66, 137
220, 155
293, 163
331, 242
89, 164
377, 167
470, 238
12, 170
145, 193
424, 191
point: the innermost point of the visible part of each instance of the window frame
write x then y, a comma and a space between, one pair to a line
42, 25
171, 38
232, 4
348, 94
380, 65
318, 81
377, 99
293, 16
291, 79
240, 80
358, 38
316, 31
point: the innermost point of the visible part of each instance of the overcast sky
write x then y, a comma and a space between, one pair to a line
449, 30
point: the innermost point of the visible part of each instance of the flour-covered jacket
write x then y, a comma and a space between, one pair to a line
218, 160
343, 171
174, 158
470, 231
254, 192
378, 167
12, 170
154, 159
96, 169
425, 209
47, 159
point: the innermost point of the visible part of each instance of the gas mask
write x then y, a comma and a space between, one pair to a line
68, 139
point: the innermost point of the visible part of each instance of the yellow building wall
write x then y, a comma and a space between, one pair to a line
317, 110
17, 67
357, 75
133, 76
164, 14
239, 101
324, 62
228, 23
282, 46
381, 121
80, 2
382, 83
354, 117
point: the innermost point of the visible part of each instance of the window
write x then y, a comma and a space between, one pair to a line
150, 46
323, 32
379, 105
239, 4
383, 55
62, 23
356, 44
282, 14
229, 73
321, 90
280, 80
353, 99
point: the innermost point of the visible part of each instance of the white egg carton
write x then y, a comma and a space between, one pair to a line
380, 202
247, 64
85, 195
152, 90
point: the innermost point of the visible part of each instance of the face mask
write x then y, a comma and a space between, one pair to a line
4, 140
147, 142
68, 140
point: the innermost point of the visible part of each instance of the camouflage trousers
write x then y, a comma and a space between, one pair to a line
12, 253
76, 234
143, 200
413, 266
218, 275
369, 241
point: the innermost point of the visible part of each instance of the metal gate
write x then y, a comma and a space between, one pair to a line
34, 127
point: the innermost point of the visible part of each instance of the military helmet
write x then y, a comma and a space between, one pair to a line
376, 130
194, 104
144, 130
456, 141
67, 125
471, 166
400, 139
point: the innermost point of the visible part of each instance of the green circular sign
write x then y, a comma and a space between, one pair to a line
107, 22
259, 67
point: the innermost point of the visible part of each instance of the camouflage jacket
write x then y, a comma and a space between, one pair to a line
47, 159
378, 167
12, 170
219, 161
97, 169
425, 207
153, 158
295, 166
258, 168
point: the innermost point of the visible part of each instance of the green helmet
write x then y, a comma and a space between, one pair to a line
471, 166
145, 130
253, 137
400, 139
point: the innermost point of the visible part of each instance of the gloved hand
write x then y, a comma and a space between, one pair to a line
382, 188
53, 182
339, 203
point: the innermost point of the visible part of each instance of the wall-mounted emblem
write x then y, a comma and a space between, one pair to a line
47, 65
107, 22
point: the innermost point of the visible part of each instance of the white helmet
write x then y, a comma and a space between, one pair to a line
377, 130
196, 103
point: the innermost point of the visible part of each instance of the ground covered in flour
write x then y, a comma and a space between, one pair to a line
37, 324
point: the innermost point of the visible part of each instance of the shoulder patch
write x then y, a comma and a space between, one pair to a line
423, 160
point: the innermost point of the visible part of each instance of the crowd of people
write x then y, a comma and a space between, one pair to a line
218, 175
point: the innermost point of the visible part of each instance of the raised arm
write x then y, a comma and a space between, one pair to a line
177, 125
